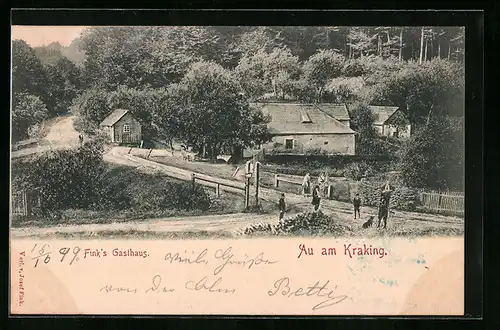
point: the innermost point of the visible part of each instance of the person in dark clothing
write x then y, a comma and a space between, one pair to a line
282, 206
357, 204
316, 199
383, 208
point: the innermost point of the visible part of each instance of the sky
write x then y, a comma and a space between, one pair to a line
43, 35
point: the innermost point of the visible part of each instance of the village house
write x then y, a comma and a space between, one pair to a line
302, 128
122, 127
391, 121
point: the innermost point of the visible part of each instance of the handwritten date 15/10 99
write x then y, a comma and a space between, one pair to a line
71, 255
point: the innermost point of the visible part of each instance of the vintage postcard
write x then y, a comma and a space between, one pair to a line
237, 170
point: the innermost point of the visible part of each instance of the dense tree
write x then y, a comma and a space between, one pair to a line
280, 66
322, 67
62, 85
435, 88
27, 110
214, 115
367, 141
92, 107
434, 156
250, 72
261, 38
49, 54
28, 75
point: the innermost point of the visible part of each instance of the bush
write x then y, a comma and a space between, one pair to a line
357, 171
402, 198
123, 188
64, 178
79, 179
310, 223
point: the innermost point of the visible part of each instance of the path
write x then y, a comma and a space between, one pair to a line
225, 222
62, 135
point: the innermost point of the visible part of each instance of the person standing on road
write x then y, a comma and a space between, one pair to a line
282, 206
321, 183
383, 208
306, 185
316, 198
357, 205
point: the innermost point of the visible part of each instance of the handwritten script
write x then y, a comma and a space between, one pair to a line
284, 288
221, 257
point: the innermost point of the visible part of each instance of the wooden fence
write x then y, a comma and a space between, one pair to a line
23, 202
443, 202
19, 204
219, 186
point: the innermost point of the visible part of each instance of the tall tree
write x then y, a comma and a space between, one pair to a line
214, 116
63, 85
361, 42
28, 75
262, 38
250, 72
279, 67
322, 67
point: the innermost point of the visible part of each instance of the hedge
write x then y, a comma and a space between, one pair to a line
402, 198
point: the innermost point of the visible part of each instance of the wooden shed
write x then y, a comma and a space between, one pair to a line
122, 127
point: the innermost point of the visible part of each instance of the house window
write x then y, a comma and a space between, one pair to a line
288, 143
126, 128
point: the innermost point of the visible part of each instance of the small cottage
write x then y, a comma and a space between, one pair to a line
391, 121
122, 127
302, 128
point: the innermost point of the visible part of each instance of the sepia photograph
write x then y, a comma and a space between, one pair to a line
223, 131
237, 170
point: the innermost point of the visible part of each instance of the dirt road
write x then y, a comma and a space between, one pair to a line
61, 135
225, 222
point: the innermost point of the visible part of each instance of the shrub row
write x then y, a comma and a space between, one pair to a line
402, 198
355, 170
124, 188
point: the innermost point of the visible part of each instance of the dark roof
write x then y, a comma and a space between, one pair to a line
113, 117
296, 118
382, 113
337, 111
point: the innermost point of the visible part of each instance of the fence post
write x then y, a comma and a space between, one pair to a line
247, 193
276, 180
193, 180
329, 192
27, 203
217, 190
256, 172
